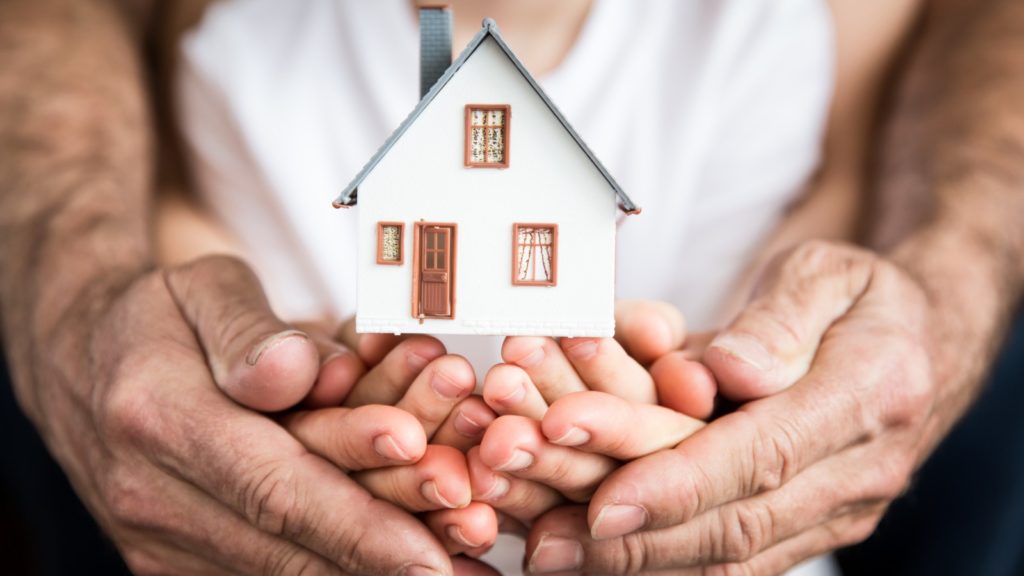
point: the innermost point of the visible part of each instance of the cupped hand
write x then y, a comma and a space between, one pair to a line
837, 344
572, 410
149, 397
431, 396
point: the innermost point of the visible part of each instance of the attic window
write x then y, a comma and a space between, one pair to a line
487, 135
389, 242
535, 254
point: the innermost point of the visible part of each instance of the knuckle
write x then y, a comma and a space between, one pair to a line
632, 558
890, 480
270, 499
774, 457
126, 500
744, 531
130, 413
911, 397
289, 560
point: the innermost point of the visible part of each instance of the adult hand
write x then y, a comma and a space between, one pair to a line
839, 339
181, 477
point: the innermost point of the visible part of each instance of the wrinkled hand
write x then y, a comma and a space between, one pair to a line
187, 481
836, 342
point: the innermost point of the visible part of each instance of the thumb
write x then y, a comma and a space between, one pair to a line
772, 342
255, 358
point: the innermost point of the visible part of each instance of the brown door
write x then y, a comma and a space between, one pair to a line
436, 270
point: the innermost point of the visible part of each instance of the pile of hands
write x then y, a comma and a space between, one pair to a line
208, 436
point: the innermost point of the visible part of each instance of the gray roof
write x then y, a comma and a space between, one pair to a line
489, 28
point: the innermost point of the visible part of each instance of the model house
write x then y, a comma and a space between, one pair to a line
484, 212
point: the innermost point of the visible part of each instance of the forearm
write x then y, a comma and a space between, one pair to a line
950, 208
75, 169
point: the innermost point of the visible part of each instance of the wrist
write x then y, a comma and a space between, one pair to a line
971, 291
58, 277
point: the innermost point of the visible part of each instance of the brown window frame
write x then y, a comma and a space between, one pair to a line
508, 135
401, 244
515, 255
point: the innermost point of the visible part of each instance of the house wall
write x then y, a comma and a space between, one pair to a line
549, 179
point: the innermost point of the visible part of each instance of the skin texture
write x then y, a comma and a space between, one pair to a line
863, 361
143, 381
81, 297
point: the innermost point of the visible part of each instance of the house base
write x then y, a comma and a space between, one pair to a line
506, 327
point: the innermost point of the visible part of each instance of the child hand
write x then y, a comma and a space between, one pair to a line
601, 410
398, 415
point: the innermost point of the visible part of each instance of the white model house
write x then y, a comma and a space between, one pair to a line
484, 212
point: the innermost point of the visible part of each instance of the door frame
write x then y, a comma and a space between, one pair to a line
452, 261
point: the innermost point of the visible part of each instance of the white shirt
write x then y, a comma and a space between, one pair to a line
709, 113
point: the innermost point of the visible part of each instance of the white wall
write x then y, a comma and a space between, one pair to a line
549, 179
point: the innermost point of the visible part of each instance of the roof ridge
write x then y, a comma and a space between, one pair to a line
487, 28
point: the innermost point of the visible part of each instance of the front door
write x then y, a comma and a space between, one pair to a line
435, 282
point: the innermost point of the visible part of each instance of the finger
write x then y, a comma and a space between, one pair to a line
648, 329
470, 530
523, 500
605, 424
255, 358
465, 426
758, 448
738, 531
515, 445
438, 480
509, 390
371, 348
509, 525
340, 369
772, 342
199, 526
439, 387
559, 542
604, 365
545, 363
684, 385
359, 438
389, 380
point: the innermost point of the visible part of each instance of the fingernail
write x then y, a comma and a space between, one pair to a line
455, 533
532, 359
386, 446
467, 426
746, 349
418, 571
416, 362
269, 342
573, 437
515, 396
616, 520
582, 350
430, 492
518, 461
446, 387
556, 554
499, 488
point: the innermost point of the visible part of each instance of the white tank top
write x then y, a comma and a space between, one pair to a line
709, 113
